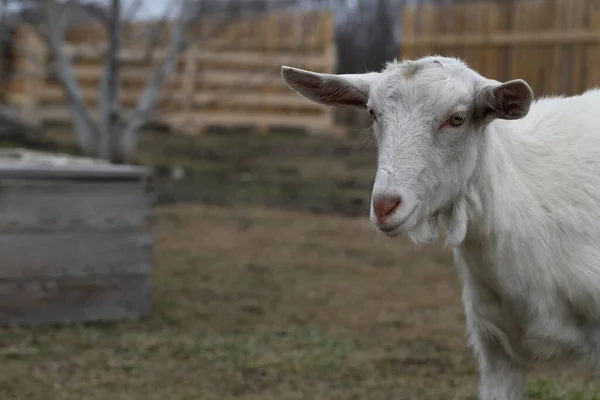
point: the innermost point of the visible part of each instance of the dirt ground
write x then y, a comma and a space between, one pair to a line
260, 297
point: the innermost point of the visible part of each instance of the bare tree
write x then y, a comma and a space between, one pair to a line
114, 133
107, 136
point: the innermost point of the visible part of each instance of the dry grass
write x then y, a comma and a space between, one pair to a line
267, 304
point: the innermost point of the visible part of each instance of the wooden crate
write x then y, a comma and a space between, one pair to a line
76, 242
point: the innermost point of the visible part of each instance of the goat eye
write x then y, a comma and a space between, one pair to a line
372, 114
456, 119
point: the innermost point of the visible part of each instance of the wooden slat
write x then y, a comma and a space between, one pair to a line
231, 99
427, 24
244, 61
521, 52
54, 95
577, 22
76, 241
544, 22
240, 79
126, 73
253, 60
535, 61
55, 254
214, 117
289, 99
56, 301
505, 39
494, 60
460, 25
593, 70
24, 170
478, 21
555, 57
129, 54
213, 79
202, 119
30, 205
408, 31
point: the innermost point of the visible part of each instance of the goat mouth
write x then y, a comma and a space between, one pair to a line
395, 230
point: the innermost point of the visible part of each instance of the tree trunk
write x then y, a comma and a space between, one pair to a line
109, 86
106, 137
119, 155
87, 141
128, 143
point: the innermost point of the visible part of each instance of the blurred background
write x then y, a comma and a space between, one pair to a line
175, 222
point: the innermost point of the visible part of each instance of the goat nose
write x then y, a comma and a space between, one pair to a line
384, 205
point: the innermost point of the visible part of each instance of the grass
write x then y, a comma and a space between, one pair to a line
257, 297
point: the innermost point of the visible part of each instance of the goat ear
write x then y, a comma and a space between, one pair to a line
345, 90
508, 100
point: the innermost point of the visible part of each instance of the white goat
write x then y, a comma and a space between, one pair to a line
515, 181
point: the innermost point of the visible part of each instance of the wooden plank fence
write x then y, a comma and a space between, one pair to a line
553, 44
228, 76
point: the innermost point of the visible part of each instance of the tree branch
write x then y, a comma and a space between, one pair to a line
133, 10
148, 97
87, 130
95, 10
154, 38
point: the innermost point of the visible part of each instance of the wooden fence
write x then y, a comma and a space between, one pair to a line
553, 44
228, 76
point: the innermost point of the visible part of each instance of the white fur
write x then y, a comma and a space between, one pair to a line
520, 199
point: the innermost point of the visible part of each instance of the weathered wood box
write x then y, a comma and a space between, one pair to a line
76, 241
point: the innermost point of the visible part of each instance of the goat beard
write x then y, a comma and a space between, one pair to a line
455, 220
